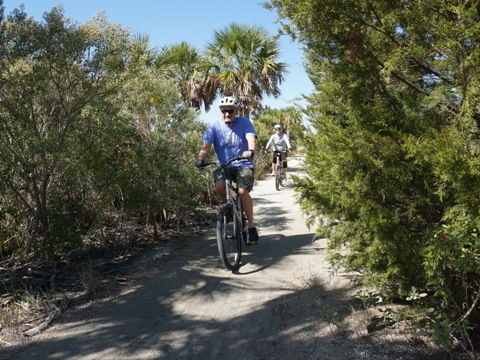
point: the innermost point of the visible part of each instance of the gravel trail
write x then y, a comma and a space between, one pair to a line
283, 303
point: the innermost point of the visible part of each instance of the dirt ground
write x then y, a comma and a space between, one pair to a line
176, 301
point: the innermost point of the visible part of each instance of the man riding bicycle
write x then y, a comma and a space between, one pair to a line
232, 136
281, 144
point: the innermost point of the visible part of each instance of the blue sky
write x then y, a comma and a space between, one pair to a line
172, 21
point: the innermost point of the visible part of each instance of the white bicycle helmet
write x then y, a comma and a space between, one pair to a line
278, 126
228, 101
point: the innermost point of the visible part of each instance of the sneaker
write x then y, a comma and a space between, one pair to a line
253, 235
272, 174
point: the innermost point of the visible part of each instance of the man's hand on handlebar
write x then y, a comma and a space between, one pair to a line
199, 163
248, 154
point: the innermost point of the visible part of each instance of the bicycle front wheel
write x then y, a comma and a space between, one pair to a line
278, 177
229, 241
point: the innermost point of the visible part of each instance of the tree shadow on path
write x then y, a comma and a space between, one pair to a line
192, 308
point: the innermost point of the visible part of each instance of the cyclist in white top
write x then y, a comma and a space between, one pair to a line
280, 142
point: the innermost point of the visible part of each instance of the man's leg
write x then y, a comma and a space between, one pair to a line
247, 205
248, 210
245, 179
220, 185
220, 189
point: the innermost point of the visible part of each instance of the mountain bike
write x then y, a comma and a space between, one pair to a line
280, 177
232, 224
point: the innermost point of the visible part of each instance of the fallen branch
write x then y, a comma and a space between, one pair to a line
42, 326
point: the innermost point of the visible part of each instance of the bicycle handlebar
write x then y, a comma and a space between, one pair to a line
277, 151
236, 158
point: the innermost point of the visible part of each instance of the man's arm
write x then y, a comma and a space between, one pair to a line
204, 151
252, 142
269, 143
288, 142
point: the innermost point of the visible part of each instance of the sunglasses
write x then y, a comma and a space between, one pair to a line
230, 111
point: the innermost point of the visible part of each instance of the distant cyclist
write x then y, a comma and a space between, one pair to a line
281, 143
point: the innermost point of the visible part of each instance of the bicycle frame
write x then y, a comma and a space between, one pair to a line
235, 201
230, 234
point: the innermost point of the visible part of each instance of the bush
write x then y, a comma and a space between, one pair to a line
452, 267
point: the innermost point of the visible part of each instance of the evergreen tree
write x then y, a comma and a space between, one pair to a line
50, 71
394, 157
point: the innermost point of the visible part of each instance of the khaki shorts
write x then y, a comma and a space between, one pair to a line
240, 175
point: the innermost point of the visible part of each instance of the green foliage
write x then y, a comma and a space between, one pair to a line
65, 235
88, 127
452, 264
189, 70
244, 63
442, 335
50, 72
394, 154
241, 61
163, 159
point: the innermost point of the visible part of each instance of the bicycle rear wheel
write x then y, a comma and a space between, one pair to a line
278, 177
229, 241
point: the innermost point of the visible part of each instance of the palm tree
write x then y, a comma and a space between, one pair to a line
184, 64
144, 49
290, 118
244, 63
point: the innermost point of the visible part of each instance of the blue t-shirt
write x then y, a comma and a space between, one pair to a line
230, 141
